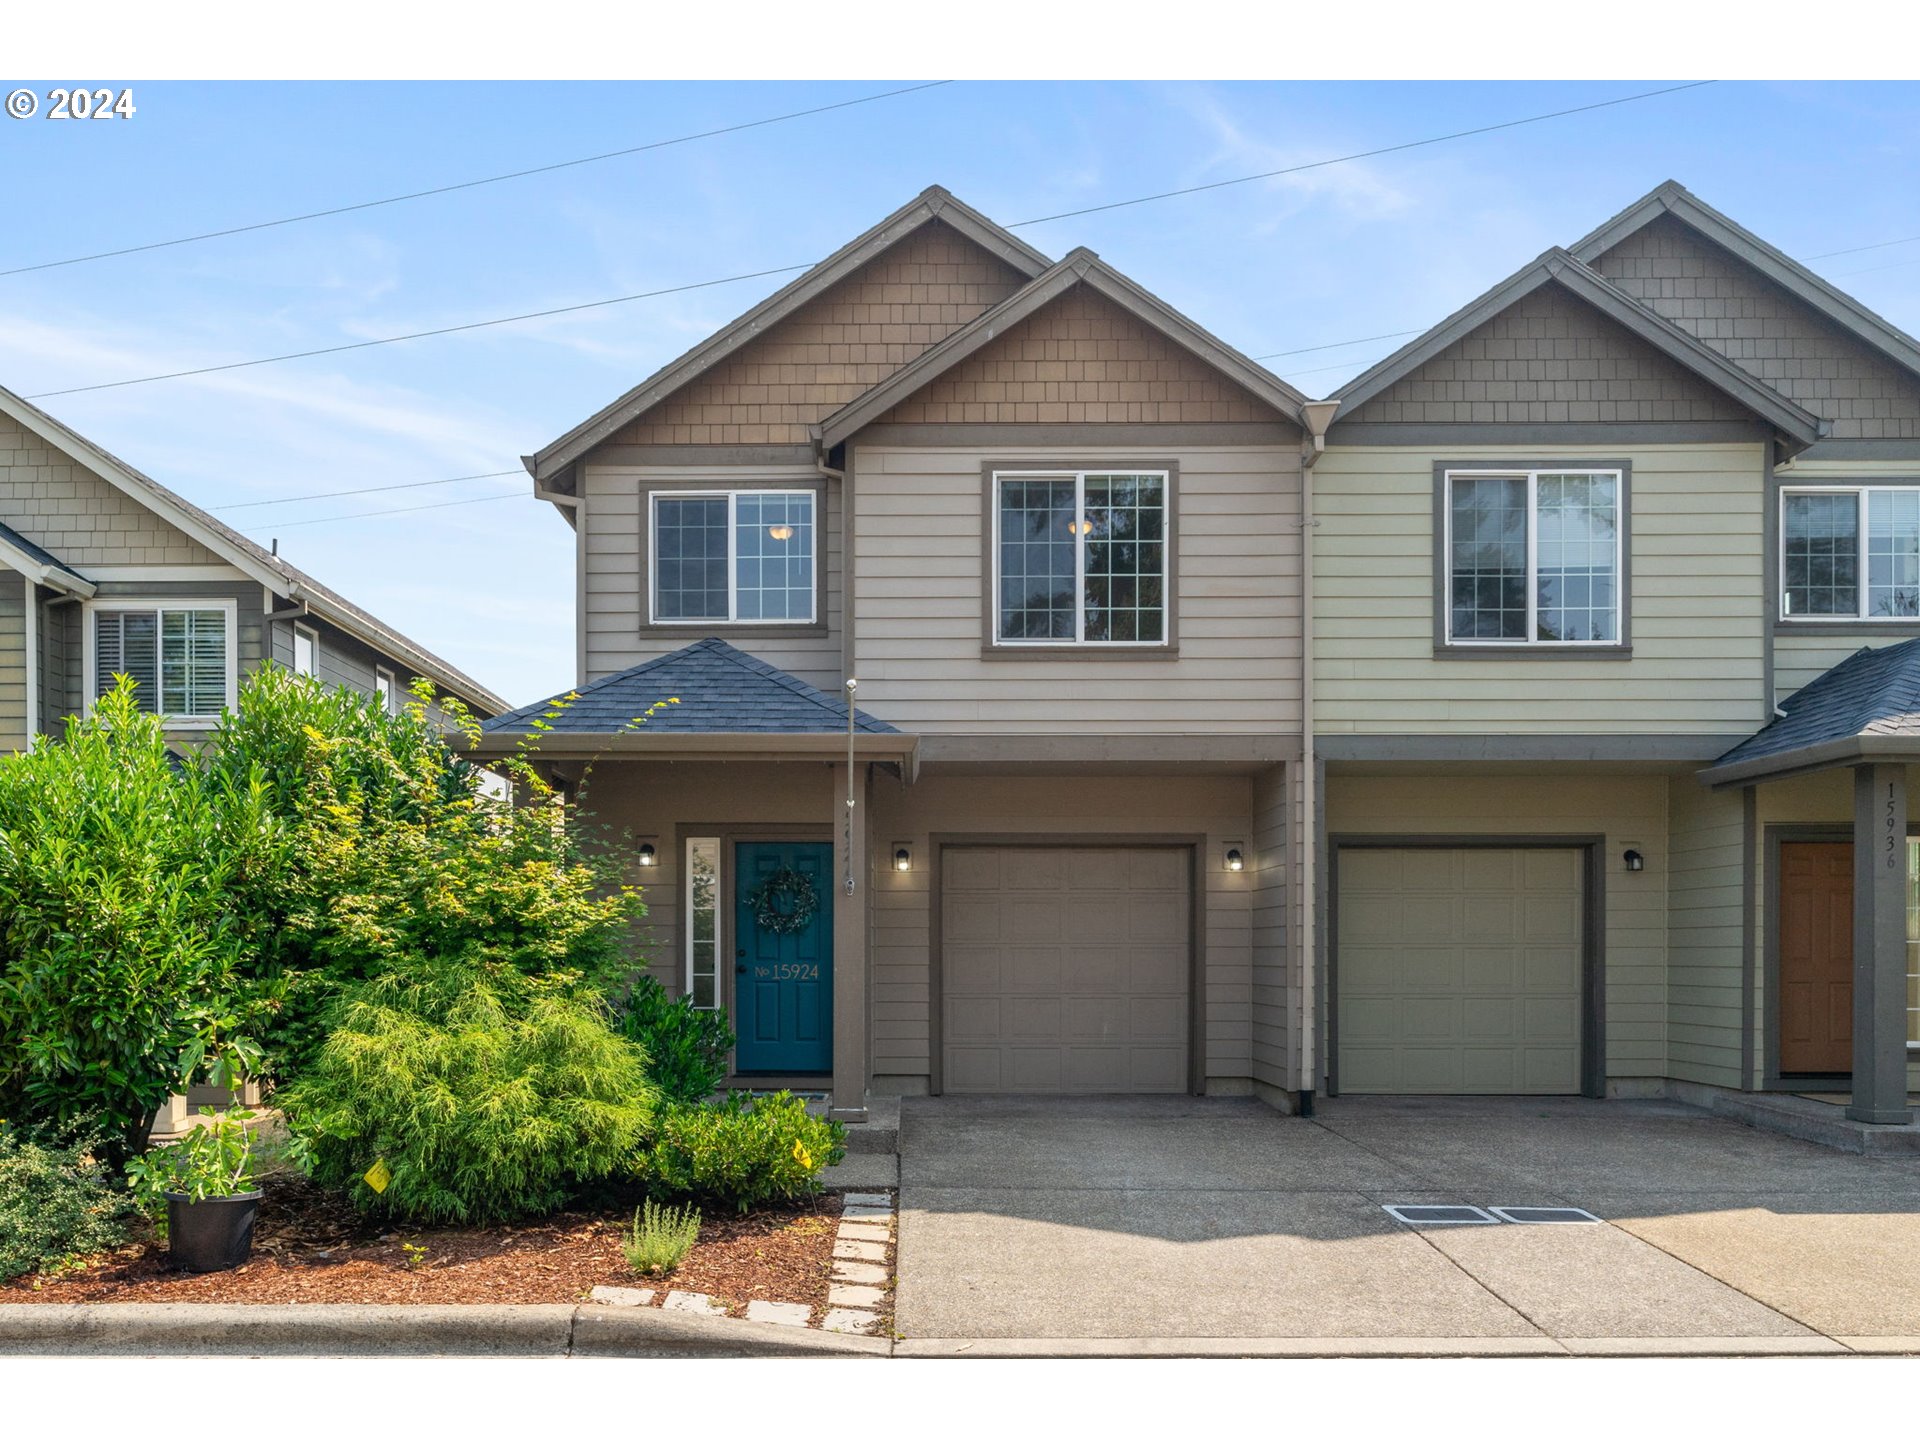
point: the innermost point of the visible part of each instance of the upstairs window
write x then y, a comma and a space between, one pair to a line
1533, 557
1850, 553
306, 650
181, 657
1080, 558
733, 557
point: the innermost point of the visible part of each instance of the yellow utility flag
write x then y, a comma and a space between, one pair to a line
379, 1177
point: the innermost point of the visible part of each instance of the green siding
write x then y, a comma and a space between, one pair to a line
1705, 956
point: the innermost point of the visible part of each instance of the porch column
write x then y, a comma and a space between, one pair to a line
851, 1065
1879, 945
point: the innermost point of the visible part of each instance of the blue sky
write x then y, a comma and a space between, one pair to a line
1334, 254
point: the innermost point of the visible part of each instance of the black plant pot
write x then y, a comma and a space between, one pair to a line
211, 1234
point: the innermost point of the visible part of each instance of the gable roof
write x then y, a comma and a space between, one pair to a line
933, 203
1869, 703
1673, 198
715, 689
40, 565
1079, 267
254, 560
1559, 267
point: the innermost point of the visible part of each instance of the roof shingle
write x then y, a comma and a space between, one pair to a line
1871, 692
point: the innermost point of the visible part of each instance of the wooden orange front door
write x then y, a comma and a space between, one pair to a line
1816, 957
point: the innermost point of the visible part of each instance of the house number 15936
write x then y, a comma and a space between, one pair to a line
1893, 828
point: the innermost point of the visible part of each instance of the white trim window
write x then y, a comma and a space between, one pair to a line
1533, 557
383, 688
1850, 552
306, 650
182, 655
703, 922
733, 557
1080, 557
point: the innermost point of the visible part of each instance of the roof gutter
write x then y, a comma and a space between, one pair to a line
1827, 755
1316, 416
734, 745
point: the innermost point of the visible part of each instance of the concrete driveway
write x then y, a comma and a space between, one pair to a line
1200, 1225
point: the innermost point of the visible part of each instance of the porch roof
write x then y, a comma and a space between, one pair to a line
1865, 708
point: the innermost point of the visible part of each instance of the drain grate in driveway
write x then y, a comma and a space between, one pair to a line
1439, 1214
1545, 1215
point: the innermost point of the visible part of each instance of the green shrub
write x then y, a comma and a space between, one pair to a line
661, 1238
211, 1161
686, 1048
742, 1151
57, 1202
475, 1093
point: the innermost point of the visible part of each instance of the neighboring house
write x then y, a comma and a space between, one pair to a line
104, 571
1570, 549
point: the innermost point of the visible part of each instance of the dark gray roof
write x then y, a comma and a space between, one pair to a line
1873, 692
719, 690
46, 557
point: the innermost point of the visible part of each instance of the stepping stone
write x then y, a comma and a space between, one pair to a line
620, 1295
867, 1250
779, 1312
693, 1303
852, 1297
872, 1234
850, 1322
879, 1213
852, 1272
862, 1197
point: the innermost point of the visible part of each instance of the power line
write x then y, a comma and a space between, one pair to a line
277, 525
366, 490
790, 269
1336, 345
1856, 249
471, 184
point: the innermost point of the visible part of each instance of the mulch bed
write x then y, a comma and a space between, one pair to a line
312, 1247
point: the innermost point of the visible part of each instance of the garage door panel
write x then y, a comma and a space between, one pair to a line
1066, 970
1459, 970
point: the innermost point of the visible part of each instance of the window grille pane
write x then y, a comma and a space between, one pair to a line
1488, 566
773, 542
193, 662
1822, 554
1893, 552
1126, 557
1574, 541
703, 916
690, 558
126, 642
1037, 559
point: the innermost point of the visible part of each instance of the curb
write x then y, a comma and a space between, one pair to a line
171, 1331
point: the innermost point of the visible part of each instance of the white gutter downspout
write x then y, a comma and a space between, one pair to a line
1318, 415
33, 659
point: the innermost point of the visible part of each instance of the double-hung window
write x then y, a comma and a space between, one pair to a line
1080, 557
733, 557
1533, 557
180, 657
1850, 553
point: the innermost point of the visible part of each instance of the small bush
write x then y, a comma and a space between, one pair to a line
686, 1048
211, 1161
742, 1151
57, 1203
661, 1238
471, 1094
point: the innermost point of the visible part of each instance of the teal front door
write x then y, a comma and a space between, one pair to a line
782, 977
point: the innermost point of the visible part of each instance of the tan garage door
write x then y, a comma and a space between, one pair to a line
1064, 971
1459, 972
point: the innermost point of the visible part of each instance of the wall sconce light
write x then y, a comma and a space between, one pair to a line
1236, 861
902, 856
1635, 861
648, 856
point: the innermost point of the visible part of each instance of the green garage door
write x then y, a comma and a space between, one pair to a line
1458, 972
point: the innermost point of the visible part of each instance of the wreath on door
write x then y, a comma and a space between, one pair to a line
785, 902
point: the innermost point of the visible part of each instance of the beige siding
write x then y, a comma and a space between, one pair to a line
1731, 307
1550, 358
58, 503
1706, 956
920, 595
1696, 523
1080, 360
1630, 811
1114, 807
1276, 988
616, 616
837, 346
13, 661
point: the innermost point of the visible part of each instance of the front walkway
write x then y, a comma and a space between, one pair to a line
1157, 1220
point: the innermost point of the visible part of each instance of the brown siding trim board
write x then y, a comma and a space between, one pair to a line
1436, 435
991, 435
1593, 1022
1250, 751
1571, 748
1196, 847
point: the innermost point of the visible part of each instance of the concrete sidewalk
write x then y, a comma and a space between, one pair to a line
1093, 1224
